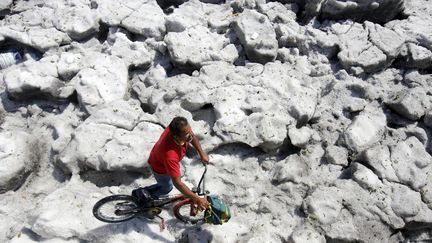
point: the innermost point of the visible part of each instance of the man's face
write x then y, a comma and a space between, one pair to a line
186, 134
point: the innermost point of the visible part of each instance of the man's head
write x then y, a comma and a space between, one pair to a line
180, 129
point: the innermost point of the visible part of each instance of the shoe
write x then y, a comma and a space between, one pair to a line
144, 197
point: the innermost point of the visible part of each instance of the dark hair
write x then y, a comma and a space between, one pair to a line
176, 124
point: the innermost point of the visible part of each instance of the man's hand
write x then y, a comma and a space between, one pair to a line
202, 203
205, 159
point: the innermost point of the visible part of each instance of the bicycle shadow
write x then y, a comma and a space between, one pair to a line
139, 225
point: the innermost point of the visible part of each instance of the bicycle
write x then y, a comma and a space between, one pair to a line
120, 208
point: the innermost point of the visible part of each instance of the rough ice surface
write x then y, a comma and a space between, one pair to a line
316, 114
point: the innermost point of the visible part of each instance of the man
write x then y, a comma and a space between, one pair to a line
165, 160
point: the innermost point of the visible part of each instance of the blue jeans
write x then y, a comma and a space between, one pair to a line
163, 186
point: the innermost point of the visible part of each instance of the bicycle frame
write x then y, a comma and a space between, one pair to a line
179, 197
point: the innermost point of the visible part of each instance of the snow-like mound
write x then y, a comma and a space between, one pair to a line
316, 114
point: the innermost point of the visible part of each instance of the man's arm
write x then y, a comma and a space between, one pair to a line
202, 202
203, 155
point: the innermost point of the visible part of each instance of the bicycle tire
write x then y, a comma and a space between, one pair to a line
127, 201
181, 212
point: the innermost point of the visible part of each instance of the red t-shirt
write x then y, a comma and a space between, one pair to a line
166, 155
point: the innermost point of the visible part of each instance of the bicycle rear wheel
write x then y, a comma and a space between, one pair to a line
116, 208
187, 211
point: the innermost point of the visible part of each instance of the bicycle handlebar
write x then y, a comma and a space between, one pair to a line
202, 180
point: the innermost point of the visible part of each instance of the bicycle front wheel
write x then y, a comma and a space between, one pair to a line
116, 208
188, 212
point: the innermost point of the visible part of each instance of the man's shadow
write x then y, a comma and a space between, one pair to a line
114, 178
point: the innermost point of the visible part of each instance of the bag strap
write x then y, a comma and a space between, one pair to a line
226, 213
211, 214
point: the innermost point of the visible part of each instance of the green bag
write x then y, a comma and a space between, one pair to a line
218, 212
